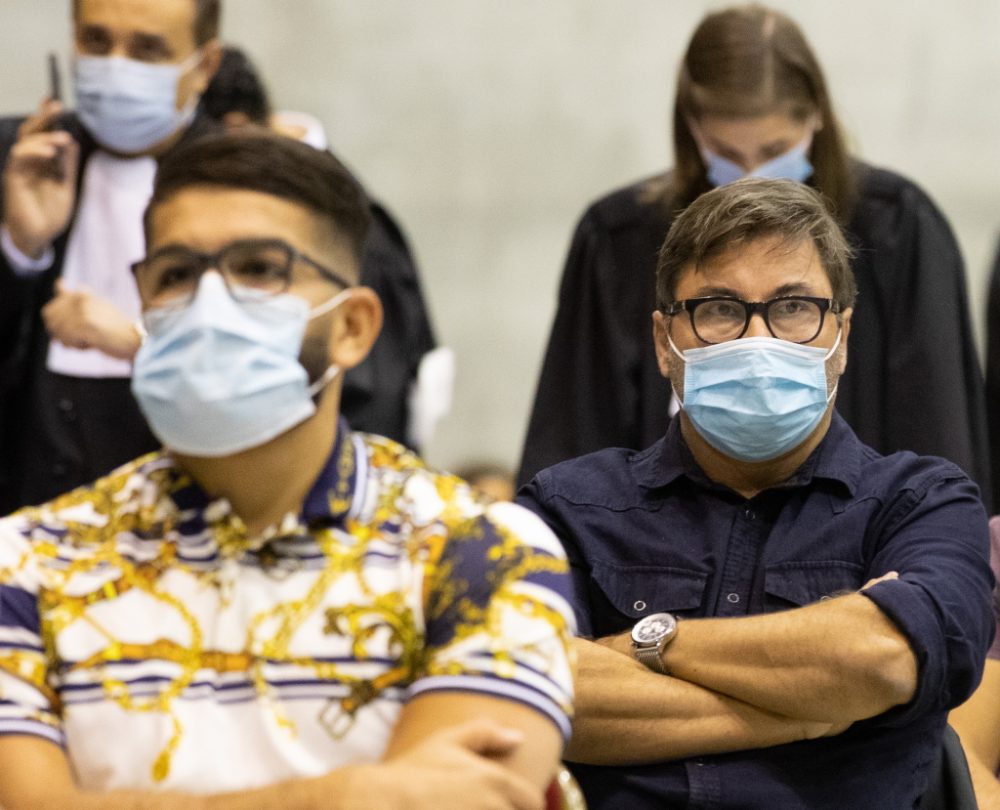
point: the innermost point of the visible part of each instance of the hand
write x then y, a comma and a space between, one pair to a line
621, 643
81, 320
884, 578
452, 769
39, 182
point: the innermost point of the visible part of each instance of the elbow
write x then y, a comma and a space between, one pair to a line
895, 673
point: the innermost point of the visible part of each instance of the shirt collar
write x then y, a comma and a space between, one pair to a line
328, 503
837, 458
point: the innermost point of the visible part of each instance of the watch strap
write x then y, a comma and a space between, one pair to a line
650, 657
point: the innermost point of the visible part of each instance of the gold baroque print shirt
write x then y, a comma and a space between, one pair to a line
144, 631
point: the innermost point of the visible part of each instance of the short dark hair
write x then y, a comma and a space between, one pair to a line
207, 14
258, 160
751, 209
236, 87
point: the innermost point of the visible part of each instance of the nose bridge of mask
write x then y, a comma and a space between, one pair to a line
758, 362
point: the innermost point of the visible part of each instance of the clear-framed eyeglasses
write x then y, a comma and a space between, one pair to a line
717, 319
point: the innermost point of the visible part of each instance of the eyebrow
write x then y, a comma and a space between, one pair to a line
792, 288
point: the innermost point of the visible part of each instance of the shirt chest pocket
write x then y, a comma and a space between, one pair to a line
794, 584
621, 595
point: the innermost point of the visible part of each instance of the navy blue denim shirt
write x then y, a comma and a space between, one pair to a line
648, 532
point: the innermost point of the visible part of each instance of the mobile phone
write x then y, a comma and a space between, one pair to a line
55, 94
55, 77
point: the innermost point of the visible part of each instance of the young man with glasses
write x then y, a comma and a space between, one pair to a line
274, 611
773, 615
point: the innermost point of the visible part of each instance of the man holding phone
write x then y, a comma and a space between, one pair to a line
74, 187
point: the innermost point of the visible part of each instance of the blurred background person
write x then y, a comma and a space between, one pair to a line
74, 188
490, 478
752, 100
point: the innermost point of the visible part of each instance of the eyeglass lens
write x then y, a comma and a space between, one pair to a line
794, 319
250, 269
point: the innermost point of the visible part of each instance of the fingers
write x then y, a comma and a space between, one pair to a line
484, 737
43, 120
884, 578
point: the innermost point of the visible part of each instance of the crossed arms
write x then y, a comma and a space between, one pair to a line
741, 683
448, 751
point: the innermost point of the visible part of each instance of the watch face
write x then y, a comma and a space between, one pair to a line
651, 629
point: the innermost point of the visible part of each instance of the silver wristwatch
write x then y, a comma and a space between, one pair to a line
649, 636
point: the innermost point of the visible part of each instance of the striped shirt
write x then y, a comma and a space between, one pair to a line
144, 631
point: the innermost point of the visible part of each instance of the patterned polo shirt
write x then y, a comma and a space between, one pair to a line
141, 628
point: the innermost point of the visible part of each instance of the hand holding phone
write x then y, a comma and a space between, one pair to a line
55, 78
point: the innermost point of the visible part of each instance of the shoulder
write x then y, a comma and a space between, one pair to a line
636, 205
608, 479
887, 193
128, 500
428, 500
904, 481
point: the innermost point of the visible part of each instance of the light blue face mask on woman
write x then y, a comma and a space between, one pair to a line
755, 398
791, 165
130, 106
219, 376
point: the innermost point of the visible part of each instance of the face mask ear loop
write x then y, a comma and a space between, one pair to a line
331, 303
836, 343
673, 347
328, 377
827, 356
330, 374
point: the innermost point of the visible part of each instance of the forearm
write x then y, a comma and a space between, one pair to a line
838, 660
37, 776
661, 717
294, 795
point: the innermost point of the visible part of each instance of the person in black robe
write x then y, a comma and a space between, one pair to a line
993, 372
751, 99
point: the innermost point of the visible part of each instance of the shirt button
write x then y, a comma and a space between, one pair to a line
639, 605
66, 409
749, 514
733, 597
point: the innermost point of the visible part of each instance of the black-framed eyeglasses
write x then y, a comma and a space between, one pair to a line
716, 319
252, 269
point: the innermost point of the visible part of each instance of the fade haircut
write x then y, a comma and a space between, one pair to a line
751, 209
207, 14
257, 160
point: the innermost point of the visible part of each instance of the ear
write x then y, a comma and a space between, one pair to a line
661, 325
845, 331
211, 58
355, 328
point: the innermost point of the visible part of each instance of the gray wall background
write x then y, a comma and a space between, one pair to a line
487, 126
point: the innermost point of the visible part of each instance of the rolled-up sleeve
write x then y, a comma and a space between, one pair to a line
934, 535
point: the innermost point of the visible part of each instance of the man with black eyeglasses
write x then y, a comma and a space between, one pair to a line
274, 611
773, 616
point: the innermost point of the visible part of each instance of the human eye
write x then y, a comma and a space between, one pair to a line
148, 48
93, 41
722, 309
791, 308
261, 267
170, 276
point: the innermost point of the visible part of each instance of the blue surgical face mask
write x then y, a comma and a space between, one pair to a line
757, 398
791, 165
219, 376
130, 106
